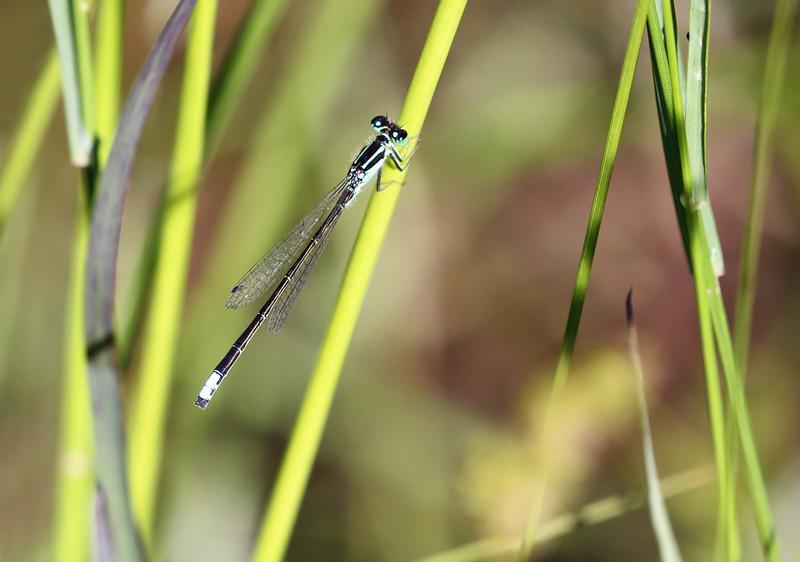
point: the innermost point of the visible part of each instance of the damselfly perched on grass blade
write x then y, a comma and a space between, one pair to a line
283, 272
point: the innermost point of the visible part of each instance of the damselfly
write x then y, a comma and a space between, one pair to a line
285, 269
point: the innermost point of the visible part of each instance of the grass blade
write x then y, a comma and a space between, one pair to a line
149, 410
74, 475
587, 253
709, 303
108, 74
593, 513
29, 135
100, 284
239, 65
696, 90
70, 37
304, 442
769, 105
771, 88
665, 536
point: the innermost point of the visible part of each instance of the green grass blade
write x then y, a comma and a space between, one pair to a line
304, 443
108, 74
72, 52
74, 474
594, 513
666, 96
587, 252
709, 301
695, 95
771, 88
693, 155
665, 536
666, 115
29, 135
769, 105
755, 479
239, 64
148, 417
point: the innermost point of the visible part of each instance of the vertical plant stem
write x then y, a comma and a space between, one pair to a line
585, 262
108, 74
294, 472
30, 133
171, 270
75, 477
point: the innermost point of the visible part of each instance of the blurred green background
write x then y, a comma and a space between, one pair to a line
433, 437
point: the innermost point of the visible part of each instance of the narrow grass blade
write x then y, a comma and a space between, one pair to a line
666, 116
149, 410
688, 140
769, 105
670, 112
68, 34
665, 536
771, 88
594, 513
304, 442
108, 74
28, 138
239, 64
100, 284
696, 93
609, 158
74, 473
709, 303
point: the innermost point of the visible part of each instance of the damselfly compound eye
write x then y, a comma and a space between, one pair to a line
379, 123
400, 136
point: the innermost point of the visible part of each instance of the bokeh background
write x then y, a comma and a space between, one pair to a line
432, 442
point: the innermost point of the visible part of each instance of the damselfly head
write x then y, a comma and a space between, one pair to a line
380, 123
398, 135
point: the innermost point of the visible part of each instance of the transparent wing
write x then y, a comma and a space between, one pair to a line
284, 304
269, 269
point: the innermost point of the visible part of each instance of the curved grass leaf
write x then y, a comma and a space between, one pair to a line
665, 536
100, 284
